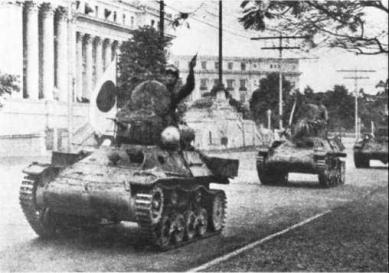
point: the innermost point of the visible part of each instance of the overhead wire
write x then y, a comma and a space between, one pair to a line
197, 18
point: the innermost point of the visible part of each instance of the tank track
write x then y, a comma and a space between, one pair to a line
46, 223
361, 160
152, 232
34, 215
267, 178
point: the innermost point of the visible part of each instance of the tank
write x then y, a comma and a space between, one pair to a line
140, 178
371, 147
308, 150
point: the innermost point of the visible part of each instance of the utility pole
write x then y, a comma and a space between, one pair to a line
280, 48
221, 86
356, 92
162, 18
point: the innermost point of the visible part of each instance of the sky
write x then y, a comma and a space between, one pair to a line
319, 67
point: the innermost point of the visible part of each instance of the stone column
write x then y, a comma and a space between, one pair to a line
79, 68
48, 51
88, 66
32, 51
107, 53
62, 54
99, 58
11, 59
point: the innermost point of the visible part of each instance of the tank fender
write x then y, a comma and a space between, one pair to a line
263, 151
36, 168
358, 145
338, 154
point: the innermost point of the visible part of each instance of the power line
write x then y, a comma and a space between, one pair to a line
195, 17
280, 48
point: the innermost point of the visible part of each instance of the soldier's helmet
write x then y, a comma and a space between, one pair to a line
170, 137
170, 68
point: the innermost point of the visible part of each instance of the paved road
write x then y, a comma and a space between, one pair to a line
254, 211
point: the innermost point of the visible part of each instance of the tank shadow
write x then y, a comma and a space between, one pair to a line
116, 236
303, 184
379, 167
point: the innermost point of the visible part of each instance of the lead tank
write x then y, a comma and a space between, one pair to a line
162, 185
308, 150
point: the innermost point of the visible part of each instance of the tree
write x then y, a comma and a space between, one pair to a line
8, 84
266, 97
341, 109
142, 58
340, 24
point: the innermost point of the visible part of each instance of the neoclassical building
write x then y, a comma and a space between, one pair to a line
59, 50
241, 76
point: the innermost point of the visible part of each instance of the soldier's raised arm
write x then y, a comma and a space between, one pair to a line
190, 83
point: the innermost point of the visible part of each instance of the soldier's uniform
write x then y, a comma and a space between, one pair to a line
178, 93
313, 122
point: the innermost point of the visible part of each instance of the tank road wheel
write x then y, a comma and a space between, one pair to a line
342, 172
178, 227
164, 233
190, 225
201, 223
218, 212
361, 161
324, 179
42, 220
157, 201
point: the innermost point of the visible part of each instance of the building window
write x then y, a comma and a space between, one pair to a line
107, 13
204, 65
243, 66
271, 66
230, 85
124, 19
114, 16
152, 23
210, 138
97, 11
216, 65
132, 21
242, 85
230, 65
203, 84
215, 82
88, 9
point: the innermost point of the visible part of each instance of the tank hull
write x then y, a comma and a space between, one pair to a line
143, 184
370, 149
322, 158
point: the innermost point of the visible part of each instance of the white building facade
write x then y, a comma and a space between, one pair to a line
241, 76
59, 50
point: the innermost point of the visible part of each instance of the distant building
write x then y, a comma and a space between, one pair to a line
241, 76
59, 49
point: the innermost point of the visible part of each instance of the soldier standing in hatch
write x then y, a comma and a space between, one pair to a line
177, 107
313, 120
178, 93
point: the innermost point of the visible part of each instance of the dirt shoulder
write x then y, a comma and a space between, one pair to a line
353, 237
